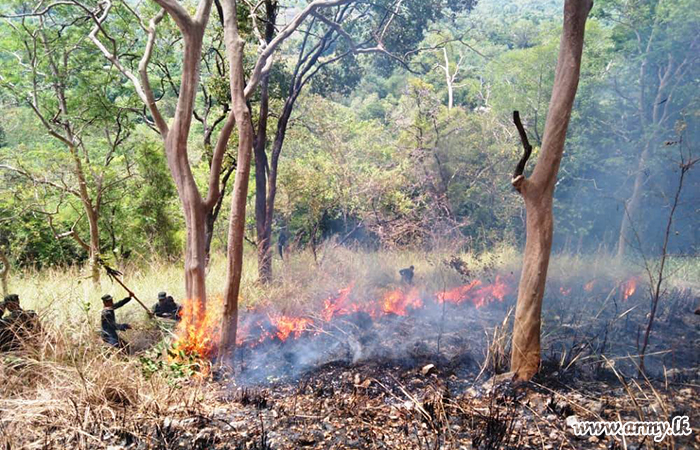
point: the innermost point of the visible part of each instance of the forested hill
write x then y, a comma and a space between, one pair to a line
405, 147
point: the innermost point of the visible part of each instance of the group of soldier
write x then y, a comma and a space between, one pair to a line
17, 324
165, 308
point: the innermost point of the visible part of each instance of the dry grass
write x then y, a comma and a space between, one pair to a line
70, 383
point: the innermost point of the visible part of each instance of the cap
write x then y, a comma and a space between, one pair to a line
12, 298
162, 296
106, 298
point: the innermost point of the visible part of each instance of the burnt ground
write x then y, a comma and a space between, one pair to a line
426, 382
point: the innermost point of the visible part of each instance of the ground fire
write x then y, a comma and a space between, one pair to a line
199, 329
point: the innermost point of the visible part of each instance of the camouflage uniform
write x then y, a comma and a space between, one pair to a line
18, 326
166, 307
109, 322
407, 275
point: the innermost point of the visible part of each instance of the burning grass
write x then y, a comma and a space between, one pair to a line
344, 356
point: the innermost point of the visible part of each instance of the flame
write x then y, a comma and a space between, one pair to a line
477, 294
339, 305
565, 291
397, 302
458, 294
287, 326
628, 288
198, 331
588, 287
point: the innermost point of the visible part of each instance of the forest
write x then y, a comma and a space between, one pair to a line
434, 224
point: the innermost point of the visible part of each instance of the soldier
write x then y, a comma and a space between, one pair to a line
18, 325
166, 307
109, 322
407, 275
282, 242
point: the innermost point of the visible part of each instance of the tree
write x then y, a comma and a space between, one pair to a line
392, 28
538, 192
176, 134
657, 48
53, 74
240, 93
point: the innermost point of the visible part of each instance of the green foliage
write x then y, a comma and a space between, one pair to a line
171, 363
156, 209
373, 153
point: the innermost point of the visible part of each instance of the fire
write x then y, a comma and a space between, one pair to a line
287, 326
397, 302
478, 293
588, 287
199, 329
458, 294
629, 287
339, 305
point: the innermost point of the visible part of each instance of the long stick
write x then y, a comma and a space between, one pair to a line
114, 275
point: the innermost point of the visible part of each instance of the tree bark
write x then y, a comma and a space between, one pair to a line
538, 192
194, 207
4, 272
632, 204
234, 49
262, 225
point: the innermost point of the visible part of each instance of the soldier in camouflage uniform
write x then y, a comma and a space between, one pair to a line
18, 326
109, 321
166, 307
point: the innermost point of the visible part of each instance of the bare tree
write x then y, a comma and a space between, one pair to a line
538, 192
653, 101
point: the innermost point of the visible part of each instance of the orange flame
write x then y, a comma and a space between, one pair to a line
287, 326
457, 295
477, 294
629, 288
198, 331
397, 302
588, 287
339, 305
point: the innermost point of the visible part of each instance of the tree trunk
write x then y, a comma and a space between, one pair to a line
94, 244
234, 50
538, 192
92, 213
4, 272
632, 205
195, 223
262, 226
263, 223
193, 206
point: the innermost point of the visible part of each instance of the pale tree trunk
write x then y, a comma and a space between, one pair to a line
234, 50
632, 204
194, 207
538, 192
92, 213
4, 272
94, 245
